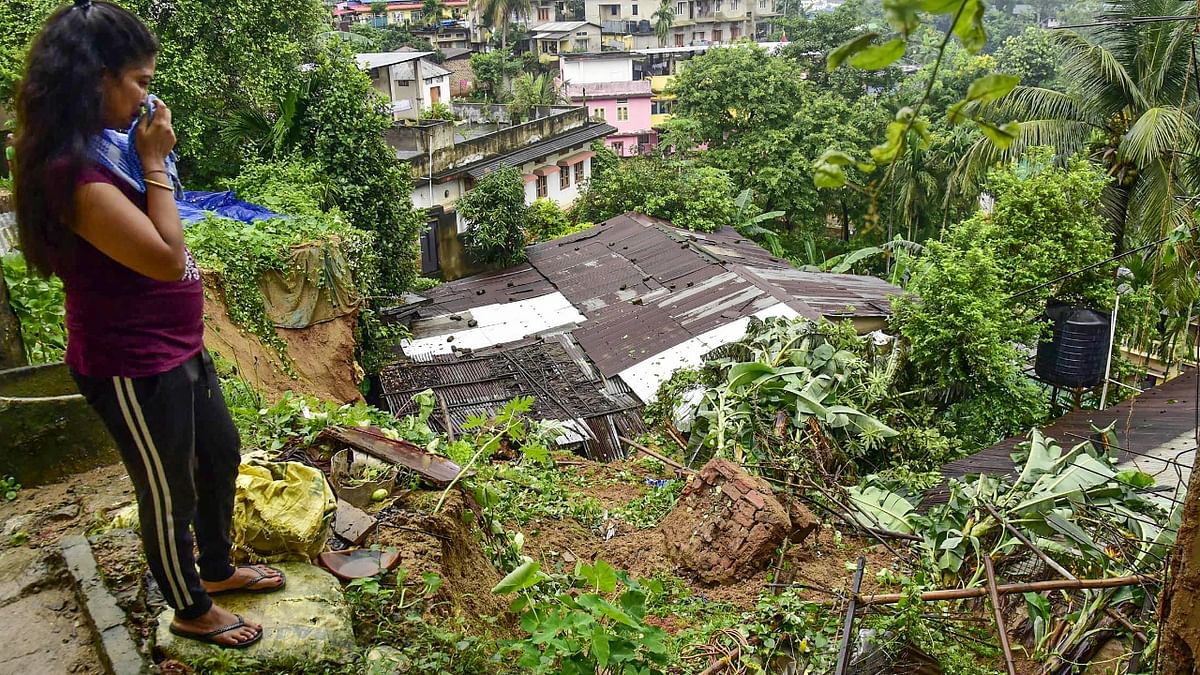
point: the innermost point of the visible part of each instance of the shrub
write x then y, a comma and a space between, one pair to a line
496, 211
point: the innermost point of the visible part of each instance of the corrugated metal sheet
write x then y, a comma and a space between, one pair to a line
830, 295
554, 371
643, 298
1157, 417
515, 283
647, 287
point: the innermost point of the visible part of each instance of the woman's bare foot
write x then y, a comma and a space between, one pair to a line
215, 619
267, 578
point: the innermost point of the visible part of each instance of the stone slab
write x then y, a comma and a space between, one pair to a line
23, 570
119, 653
352, 523
307, 621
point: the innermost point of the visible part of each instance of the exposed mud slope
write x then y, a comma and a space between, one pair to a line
322, 355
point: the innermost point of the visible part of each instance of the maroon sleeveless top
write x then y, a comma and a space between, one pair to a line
123, 323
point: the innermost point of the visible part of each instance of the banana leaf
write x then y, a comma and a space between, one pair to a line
871, 505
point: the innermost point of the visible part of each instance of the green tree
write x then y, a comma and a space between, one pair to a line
664, 19
690, 196
497, 218
729, 93
433, 10
530, 91
220, 56
546, 220
19, 22
345, 120
1033, 56
499, 14
1129, 106
493, 70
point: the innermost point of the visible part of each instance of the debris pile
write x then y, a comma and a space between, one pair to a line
727, 524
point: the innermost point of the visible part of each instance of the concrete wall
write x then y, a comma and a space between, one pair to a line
449, 155
589, 70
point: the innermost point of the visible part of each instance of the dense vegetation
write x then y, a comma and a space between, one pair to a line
984, 164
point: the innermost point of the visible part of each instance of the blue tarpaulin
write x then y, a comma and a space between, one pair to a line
195, 206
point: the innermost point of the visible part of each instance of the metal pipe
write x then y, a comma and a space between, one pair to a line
1112, 335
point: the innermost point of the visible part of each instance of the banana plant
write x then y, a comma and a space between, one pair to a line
782, 370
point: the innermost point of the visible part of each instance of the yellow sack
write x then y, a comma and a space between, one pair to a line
281, 511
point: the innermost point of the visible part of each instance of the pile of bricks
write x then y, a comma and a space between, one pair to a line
728, 524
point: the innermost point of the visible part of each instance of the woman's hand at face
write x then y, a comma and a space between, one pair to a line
155, 138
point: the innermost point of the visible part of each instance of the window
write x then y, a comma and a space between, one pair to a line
541, 187
660, 107
679, 39
762, 4
619, 148
564, 178
578, 172
681, 10
543, 14
716, 35
635, 10
622, 113
719, 5
735, 33
598, 113
613, 10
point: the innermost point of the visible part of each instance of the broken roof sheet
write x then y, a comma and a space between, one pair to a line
1159, 422
638, 288
554, 371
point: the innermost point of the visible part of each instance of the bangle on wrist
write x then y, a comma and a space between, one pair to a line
160, 185
163, 172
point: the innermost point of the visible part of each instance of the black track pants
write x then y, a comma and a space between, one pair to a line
182, 451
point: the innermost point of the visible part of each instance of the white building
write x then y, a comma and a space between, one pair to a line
409, 80
591, 68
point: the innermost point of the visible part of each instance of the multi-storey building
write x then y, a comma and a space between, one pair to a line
629, 24
604, 83
551, 150
410, 13
408, 80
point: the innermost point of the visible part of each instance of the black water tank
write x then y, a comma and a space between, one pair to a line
1076, 354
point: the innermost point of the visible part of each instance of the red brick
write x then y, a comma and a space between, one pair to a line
756, 499
744, 519
730, 492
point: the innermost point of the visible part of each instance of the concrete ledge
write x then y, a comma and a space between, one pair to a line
119, 653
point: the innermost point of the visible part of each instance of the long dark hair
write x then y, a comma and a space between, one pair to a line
60, 108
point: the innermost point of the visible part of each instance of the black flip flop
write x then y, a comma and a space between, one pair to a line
210, 637
248, 586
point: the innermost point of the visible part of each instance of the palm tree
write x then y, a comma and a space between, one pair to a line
529, 92
433, 10
499, 14
664, 18
1131, 106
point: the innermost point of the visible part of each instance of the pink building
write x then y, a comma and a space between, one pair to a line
626, 106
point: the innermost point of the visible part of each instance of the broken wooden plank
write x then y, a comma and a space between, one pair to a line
843, 660
352, 523
665, 460
437, 470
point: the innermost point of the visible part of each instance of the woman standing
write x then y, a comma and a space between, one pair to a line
107, 224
